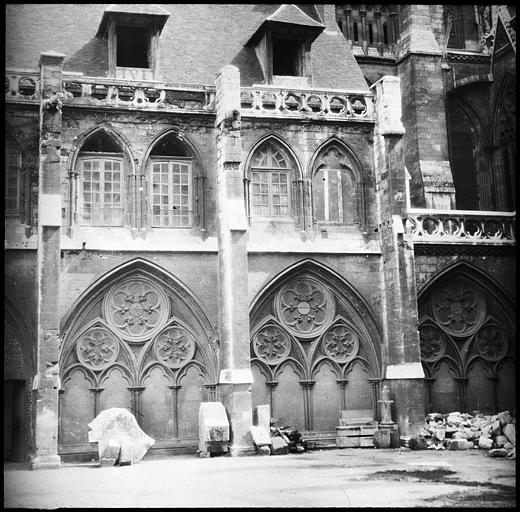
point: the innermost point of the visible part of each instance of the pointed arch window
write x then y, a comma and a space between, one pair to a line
100, 167
12, 179
177, 185
336, 190
273, 188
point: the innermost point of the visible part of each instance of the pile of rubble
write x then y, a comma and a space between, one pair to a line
277, 441
462, 431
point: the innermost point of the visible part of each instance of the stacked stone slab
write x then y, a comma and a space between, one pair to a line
462, 431
356, 429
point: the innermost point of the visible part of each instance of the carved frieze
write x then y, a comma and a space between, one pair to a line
174, 347
305, 307
97, 348
341, 343
271, 344
136, 309
458, 308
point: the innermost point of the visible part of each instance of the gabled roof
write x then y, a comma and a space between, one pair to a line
146, 11
288, 14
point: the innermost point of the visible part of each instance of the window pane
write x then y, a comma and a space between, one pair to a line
173, 197
101, 195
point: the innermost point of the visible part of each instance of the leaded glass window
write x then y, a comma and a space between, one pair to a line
270, 183
101, 192
171, 193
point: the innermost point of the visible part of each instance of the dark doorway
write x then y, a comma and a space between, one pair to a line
14, 420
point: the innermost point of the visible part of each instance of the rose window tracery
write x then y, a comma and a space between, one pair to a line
433, 343
174, 347
271, 344
136, 309
459, 309
491, 342
97, 348
341, 343
305, 306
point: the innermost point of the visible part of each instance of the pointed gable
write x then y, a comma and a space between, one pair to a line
288, 15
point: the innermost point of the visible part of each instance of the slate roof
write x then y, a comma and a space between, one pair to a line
196, 41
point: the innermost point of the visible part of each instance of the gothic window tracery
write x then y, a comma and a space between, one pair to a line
271, 182
309, 340
335, 188
461, 325
101, 169
136, 309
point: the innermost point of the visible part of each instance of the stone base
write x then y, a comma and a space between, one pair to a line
394, 433
241, 451
46, 462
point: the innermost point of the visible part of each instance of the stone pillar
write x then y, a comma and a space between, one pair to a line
422, 83
401, 355
47, 381
235, 368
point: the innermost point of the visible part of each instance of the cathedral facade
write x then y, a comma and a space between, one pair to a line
285, 204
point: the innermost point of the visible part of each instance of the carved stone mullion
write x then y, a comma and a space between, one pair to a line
271, 384
343, 387
463, 383
429, 384
136, 392
97, 392
175, 409
375, 383
307, 403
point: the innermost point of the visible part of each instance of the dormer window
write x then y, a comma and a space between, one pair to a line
133, 40
287, 57
283, 46
133, 44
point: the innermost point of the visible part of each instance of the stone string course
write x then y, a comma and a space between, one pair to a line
463, 431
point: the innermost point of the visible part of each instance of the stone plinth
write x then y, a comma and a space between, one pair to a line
213, 428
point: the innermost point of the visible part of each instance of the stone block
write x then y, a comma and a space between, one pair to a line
504, 418
279, 446
213, 427
509, 431
460, 434
382, 439
508, 447
485, 443
260, 436
417, 443
496, 429
498, 452
263, 450
115, 428
459, 444
501, 440
262, 416
347, 442
440, 434
110, 454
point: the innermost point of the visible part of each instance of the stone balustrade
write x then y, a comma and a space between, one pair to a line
255, 101
281, 102
461, 226
22, 85
120, 93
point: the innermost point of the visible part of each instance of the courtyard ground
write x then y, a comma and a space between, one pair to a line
329, 478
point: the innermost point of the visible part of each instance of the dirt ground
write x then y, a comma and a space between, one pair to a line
363, 477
